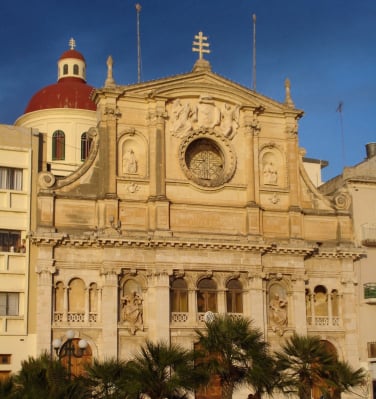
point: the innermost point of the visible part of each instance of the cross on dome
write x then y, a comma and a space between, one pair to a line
72, 43
201, 45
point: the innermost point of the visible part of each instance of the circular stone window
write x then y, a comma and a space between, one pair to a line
207, 159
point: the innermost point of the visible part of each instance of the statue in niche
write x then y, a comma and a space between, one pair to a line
229, 120
181, 123
207, 114
270, 173
132, 311
278, 313
129, 162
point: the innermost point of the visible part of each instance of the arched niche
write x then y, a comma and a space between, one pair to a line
132, 155
272, 167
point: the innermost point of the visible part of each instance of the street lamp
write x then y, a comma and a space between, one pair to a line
68, 349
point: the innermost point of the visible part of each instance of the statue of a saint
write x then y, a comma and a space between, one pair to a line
129, 162
278, 313
132, 311
270, 173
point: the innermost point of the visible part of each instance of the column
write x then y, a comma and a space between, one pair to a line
256, 309
299, 316
330, 310
87, 305
158, 302
65, 304
45, 271
253, 128
192, 306
109, 315
158, 204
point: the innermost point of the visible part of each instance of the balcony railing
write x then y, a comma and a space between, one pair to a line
323, 321
369, 234
370, 292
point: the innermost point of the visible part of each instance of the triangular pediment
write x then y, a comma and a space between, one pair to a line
194, 84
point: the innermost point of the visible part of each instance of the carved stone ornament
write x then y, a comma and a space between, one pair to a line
132, 312
205, 114
342, 200
278, 309
46, 180
207, 158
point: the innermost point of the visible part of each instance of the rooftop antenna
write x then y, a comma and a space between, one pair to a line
138, 10
340, 110
254, 53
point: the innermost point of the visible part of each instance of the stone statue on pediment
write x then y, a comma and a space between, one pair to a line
181, 118
229, 120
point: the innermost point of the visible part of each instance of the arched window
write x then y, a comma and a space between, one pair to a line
234, 296
85, 146
335, 303
75, 69
308, 305
76, 296
59, 297
58, 145
179, 296
321, 301
207, 295
93, 298
65, 69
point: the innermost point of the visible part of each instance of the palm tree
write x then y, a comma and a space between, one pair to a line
236, 352
305, 362
43, 377
6, 388
161, 371
106, 379
342, 378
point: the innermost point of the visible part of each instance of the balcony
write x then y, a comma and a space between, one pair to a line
370, 293
369, 234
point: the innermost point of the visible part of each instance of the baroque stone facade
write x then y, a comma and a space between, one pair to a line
194, 198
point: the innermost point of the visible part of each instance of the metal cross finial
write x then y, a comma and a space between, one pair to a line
72, 43
201, 45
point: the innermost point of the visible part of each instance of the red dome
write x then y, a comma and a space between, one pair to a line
68, 92
72, 54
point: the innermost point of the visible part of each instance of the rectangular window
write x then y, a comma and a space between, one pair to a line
9, 303
4, 374
10, 178
10, 241
371, 349
5, 359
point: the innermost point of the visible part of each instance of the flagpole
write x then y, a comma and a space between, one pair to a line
339, 110
254, 53
138, 10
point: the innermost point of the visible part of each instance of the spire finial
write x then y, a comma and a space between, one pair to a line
288, 99
110, 79
72, 43
201, 45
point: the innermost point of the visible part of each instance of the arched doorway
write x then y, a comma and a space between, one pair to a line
75, 364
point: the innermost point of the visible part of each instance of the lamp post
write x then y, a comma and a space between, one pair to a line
69, 350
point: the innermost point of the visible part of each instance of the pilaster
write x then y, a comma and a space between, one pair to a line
109, 312
158, 306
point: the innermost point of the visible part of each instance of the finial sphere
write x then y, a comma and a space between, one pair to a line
138, 7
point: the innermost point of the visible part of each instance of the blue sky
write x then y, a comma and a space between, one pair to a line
327, 48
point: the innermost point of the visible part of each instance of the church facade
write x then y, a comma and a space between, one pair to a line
193, 198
